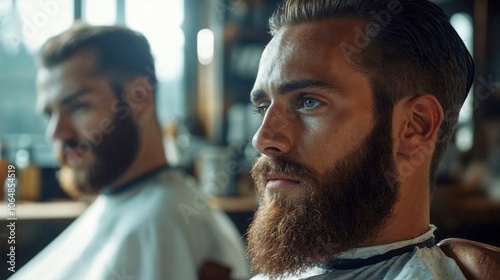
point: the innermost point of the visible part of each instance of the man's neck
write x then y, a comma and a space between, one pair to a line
151, 155
410, 216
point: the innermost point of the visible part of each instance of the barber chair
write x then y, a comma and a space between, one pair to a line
476, 260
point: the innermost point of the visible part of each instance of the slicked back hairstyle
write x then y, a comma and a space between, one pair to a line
121, 54
409, 48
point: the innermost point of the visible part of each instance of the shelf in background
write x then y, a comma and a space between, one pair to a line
44, 210
72, 209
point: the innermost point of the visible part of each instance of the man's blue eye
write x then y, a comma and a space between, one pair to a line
308, 103
260, 110
78, 106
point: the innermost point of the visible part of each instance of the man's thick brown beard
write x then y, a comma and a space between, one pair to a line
347, 206
112, 156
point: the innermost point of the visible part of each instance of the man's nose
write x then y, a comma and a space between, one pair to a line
274, 137
59, 127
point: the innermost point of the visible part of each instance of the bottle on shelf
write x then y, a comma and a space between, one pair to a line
29, 174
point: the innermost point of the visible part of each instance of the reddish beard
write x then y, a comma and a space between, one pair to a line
336, 211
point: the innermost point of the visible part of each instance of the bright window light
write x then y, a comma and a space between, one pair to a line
464, 138
160, 21
205, 46
5, 7
98, 12
43, 19
462, 23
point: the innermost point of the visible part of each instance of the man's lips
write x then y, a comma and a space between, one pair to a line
72, 156
279, 181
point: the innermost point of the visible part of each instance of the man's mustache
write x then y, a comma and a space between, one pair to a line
80, 146
282, 165
73, 144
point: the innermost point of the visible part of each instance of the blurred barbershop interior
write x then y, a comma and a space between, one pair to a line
207, 56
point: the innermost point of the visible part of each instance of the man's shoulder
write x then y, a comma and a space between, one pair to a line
172, 185
171, 199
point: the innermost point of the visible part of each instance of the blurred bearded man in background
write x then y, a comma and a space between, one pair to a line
97, 85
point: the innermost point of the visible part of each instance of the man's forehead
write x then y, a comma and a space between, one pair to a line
83, 62
78, 67
321, 38
307, 50
330, 31
49, 83
49, 77
63, 80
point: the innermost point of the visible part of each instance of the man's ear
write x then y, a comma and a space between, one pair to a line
139, 97
423, 116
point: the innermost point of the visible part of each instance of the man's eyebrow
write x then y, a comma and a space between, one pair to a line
67, 100
70, 98
306, 84
259, 94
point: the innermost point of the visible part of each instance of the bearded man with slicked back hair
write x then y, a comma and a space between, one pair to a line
358, 100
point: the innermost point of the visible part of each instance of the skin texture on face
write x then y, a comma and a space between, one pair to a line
91, 136
312, 97
324, 153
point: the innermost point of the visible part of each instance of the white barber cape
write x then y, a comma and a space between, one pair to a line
428, 263
157, 227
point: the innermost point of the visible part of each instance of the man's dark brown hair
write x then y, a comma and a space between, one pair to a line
121, 54
407, 48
